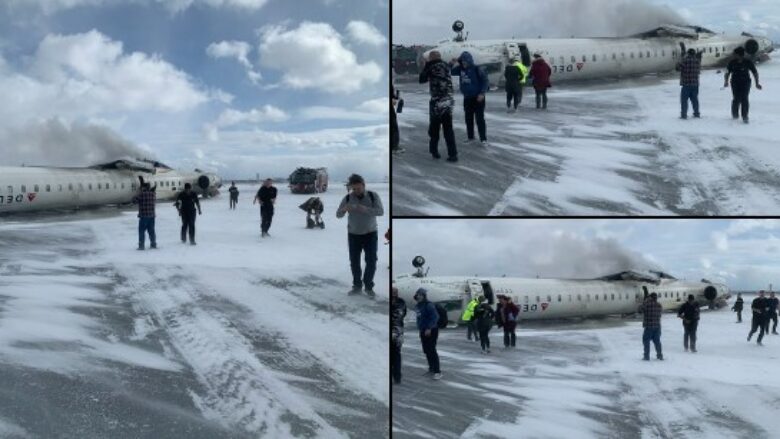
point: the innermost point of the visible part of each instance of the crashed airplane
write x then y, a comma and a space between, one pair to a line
542, 299
33, 188
654, 51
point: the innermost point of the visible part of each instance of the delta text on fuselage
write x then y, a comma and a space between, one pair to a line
32, 188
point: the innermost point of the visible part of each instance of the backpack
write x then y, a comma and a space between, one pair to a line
442, 316
370, 195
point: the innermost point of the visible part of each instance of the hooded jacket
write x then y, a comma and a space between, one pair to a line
540, 73
473, 79
427, 316
437, 74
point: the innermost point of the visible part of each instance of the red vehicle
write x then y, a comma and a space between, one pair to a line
309, 180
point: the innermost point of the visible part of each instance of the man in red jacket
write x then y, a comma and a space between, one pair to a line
540, 77
509, 314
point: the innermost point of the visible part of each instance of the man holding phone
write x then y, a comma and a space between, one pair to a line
363, 207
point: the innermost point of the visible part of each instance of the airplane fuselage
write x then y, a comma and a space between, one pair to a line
557, 298
27, 189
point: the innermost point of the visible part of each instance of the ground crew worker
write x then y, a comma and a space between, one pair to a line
186, 203
759, 313
651, 323
468, 317
689, 313
738, 307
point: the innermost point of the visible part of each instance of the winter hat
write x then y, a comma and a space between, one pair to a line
422, 292
355, 178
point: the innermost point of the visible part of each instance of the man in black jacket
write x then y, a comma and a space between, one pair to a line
187, 202
738, 307
739, 70
437, 73
267, 197
759, 314
689, 313
233, 195
772, 310
397, 315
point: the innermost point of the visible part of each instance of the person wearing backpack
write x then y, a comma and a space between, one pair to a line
363, 206
397, 315
428, 325
484, 317
510, 315
739, 70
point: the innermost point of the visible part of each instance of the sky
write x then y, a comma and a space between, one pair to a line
743, 254
235, 86
431, 21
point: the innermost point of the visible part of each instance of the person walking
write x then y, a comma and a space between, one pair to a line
514, 76
772, 310
738, 307
540, 78
146, 200
395, 135
690, 69
363, 207
511, 313
651, 323
468, 317
473, 85
397, 315
759, 307
739, 70
437, 74
427, 324
187, 203
689, 313
484, 316
233, 195
266, 195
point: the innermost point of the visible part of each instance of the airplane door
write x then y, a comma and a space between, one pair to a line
512, 50
488, 292
475, 288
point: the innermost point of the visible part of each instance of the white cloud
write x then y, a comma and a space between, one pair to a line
231, 117
366, 33
373, 109
238, 50
51, 6
744, 15
313, 56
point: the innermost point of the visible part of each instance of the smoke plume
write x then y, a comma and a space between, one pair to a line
54, 143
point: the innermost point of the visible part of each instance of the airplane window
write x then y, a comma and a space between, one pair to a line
605, 296
614, 55
569, 297
132, 186
89, 186
48, 188
594, 57
710, 49
656, 54
596, 297
663, 53
584, 58
559, 297
579, 298
59, 188
549, 299
588, 297
603, 56
613, 296
70, 186
99, 186
622, 54
573, 59
648, 54
641, 55
632, 55
10, 190
36, 188
24, 188
525, 300
123, 185
537, 299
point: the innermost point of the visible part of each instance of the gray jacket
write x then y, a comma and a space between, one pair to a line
360, 223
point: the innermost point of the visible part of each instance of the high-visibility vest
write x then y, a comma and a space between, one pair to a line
523, 71
468, 314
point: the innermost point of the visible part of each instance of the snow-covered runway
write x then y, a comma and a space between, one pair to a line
587, 380
615, 148
236, 337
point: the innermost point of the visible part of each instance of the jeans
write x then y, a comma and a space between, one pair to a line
514, 94
266, 215
367, 244
395, 361
474, 108
484, 339
690, 334
146, 225
509, 334
541, 97
188, 224
740, 93
429, 348
756, 324
471, 328
436, 123
653, 334
689, 92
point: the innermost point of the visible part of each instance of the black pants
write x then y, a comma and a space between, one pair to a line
739, 316
541, 97
474, 108
741, 93
509, 334
690, 334
367, 244
437, 123
266, 215
429, 348
188, 225
471, 328
773, 317
757, 325
395, 361
395, 139
514, 94
484, 339
233, 202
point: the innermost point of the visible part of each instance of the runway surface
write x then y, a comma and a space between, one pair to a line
236, 337
586, 379
609, 148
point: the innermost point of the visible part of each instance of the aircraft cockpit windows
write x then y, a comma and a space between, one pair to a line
562, 61
36, 188
24, 188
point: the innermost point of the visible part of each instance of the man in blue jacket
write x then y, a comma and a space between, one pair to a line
427, 324
473, 85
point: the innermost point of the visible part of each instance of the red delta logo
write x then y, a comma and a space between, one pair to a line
545, 305
579, 66
31, 196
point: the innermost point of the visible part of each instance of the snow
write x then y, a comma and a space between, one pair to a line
586, 380
244, 335
611, 148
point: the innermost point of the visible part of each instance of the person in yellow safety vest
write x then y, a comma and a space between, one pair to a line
468, 317
515, 75
523, 77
